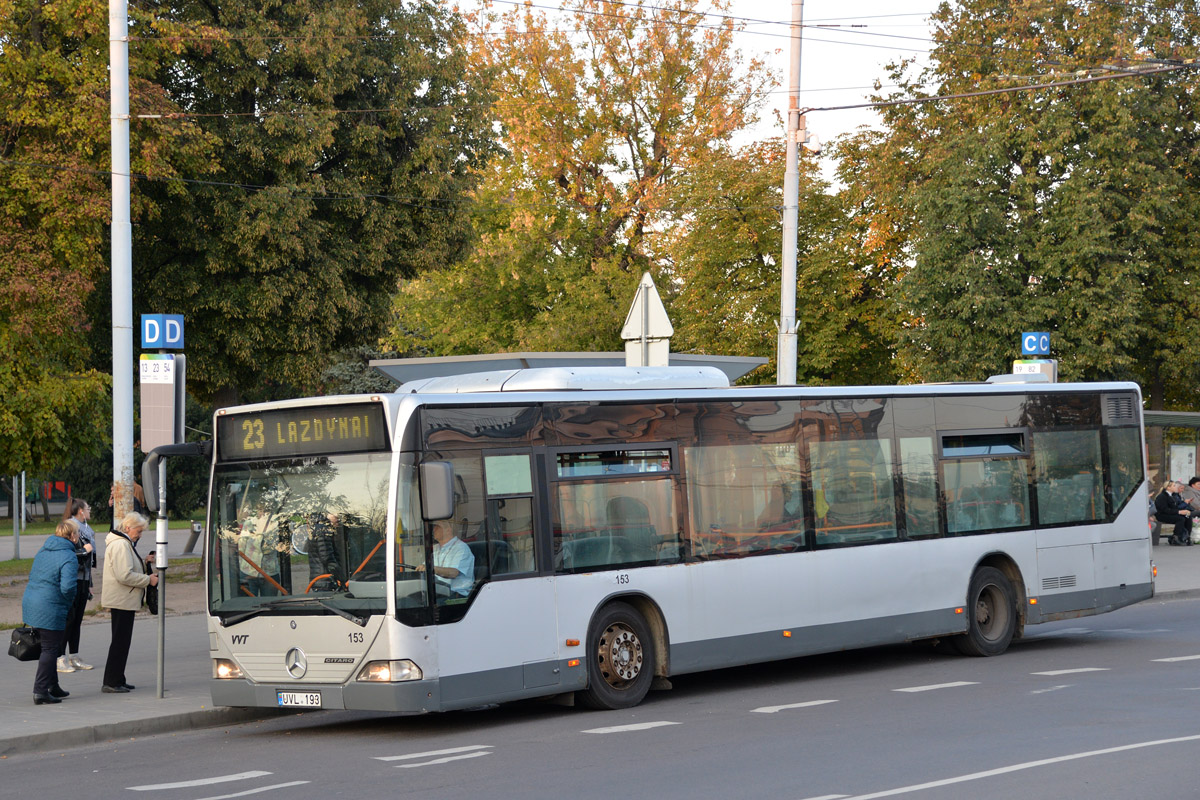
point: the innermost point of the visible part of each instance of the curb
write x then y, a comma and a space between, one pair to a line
1177, 594
95, 734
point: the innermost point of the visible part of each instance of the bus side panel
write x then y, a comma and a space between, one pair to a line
504, 648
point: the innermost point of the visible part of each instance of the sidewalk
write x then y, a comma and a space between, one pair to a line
89, 716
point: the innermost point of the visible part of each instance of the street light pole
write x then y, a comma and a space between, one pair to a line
122, 260
787, 349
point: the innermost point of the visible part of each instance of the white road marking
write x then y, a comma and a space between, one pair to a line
974, 776
640, 726
445, 760
1176, 658
241, 776
1051, 689
1070, 671
433, 753
256, 791
931, 687
827, 797
773, 709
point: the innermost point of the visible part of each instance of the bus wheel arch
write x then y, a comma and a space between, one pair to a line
993, 610
624, 640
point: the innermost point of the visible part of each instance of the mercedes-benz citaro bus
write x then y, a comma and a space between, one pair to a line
589, 532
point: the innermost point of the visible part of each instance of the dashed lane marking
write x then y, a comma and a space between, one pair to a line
1054, 672
1051, 689
774, 709
640, 726
934, 686
440, 756
241, 776
1176, 658
974, 776
256, 791
435, 753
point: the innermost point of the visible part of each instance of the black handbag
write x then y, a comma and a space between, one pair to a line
151, 596
26, 644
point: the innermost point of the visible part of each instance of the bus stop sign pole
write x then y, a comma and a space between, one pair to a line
154, 481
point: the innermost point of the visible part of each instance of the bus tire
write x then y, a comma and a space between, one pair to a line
991, 614
620, 659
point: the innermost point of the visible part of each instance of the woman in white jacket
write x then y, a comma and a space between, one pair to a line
123, 584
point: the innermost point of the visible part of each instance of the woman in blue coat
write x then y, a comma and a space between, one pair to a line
48, 597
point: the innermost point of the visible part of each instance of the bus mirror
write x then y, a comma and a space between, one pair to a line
150, 481
437, 490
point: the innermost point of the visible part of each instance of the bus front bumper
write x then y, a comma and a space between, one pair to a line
410, 696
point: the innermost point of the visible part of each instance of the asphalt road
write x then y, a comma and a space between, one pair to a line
1104, 707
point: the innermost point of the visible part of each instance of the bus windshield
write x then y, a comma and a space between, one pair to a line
300, 536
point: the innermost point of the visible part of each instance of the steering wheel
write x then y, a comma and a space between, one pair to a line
336, 584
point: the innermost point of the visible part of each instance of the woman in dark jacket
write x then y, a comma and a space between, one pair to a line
1170, 509
45, 604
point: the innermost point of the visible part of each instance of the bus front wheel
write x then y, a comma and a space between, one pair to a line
991, 614
620, 659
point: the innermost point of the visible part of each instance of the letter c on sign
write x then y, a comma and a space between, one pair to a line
1030, 345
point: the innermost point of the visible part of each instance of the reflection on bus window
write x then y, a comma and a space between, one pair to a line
745, 499
1070, 485
853, 496
286, 528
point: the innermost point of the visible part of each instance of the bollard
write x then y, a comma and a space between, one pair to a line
196, 528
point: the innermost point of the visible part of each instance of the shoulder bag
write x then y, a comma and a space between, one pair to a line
26, 644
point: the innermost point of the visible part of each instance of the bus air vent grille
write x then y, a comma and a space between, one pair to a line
1118, 408
1061, 582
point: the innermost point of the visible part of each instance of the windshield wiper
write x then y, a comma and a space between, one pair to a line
234, 619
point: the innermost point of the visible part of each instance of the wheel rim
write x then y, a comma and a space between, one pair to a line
621, 656
991, 613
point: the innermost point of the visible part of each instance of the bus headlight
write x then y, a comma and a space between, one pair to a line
225, 669
390, 671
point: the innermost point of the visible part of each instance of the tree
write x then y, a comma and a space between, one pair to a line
340, 140
724, 256
597, 122
51, 201
1071, 209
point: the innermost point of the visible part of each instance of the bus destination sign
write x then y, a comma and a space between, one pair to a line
290, 432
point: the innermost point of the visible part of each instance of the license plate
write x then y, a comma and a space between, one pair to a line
303, 699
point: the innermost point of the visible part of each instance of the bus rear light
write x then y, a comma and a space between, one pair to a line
390, 671
224, 669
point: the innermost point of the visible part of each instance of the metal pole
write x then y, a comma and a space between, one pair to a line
122, 260
645, 293
787, 349
20, 526
160, 563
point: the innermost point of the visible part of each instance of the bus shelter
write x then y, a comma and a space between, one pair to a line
1172, 443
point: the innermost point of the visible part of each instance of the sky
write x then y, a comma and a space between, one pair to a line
839, 65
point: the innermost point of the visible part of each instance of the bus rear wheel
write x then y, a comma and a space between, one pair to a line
620, 659
991, 614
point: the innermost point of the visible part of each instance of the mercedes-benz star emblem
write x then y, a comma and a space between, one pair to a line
296, 662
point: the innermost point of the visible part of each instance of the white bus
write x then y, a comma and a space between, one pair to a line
588, 532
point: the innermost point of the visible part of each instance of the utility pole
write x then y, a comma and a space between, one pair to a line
122, 260
786, 349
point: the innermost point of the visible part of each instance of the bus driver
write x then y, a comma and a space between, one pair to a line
453, 561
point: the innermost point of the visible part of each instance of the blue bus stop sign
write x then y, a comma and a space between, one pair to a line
162, 331
1035, 344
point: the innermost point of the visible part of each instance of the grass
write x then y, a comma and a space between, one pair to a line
39, 527
15, 568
